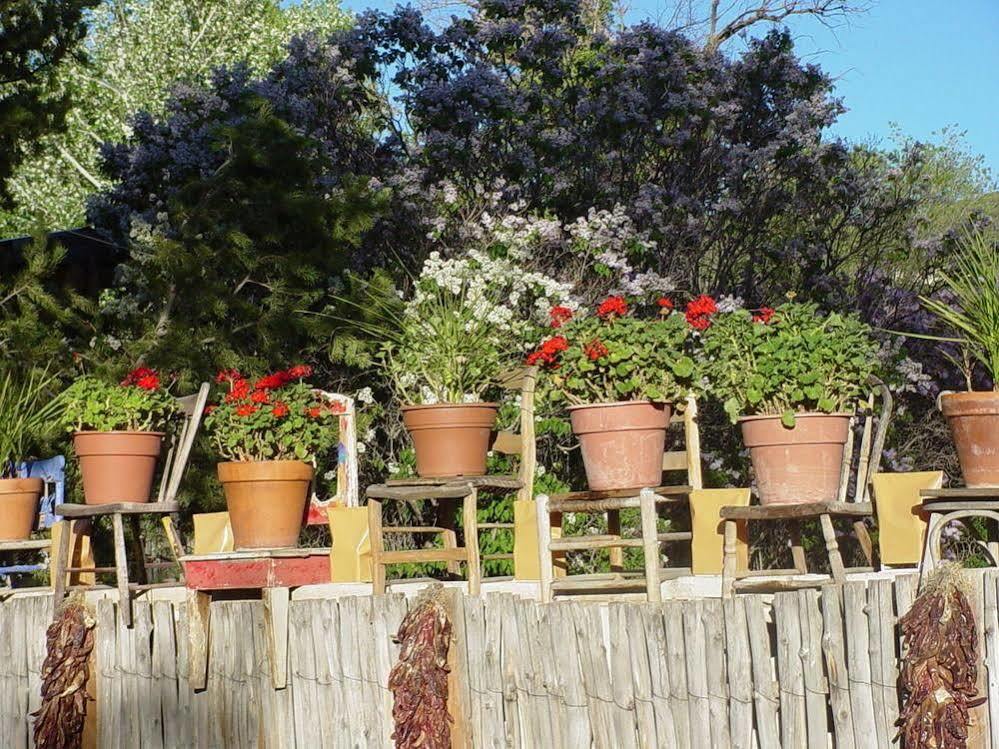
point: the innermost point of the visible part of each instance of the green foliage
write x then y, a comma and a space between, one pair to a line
609, 358
974, 313
797, 361
28, 411
35, 37
138, 50
279, 418
92, 404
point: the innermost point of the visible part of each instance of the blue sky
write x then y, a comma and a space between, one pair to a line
921, 64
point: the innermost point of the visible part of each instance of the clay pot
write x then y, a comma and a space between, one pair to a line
974, 425
266, 501
797, 465
451, 439
117, 466
19, 500
622, 443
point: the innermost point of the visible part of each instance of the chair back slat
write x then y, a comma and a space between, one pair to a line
193, 409
875, 416
347, 493
687, 460
675, 460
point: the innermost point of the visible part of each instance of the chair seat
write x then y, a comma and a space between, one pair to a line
75, 510
416, 493
961, 492
479, 482
797, 511
26, 545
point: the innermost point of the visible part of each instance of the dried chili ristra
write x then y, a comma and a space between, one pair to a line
939, 671
65, 672
418, 680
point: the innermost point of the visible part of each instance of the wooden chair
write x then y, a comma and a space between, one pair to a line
449, 490
960, 504
857, 471
274, 572
165, 505
647, 500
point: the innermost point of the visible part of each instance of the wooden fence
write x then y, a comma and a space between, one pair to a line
809, 670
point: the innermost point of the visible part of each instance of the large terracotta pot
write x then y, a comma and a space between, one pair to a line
974, 425
266, 501
451, 439
622, 443
19, 507
117, 466
797, 465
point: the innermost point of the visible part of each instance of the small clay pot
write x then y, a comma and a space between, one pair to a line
799, 464
266, 501
19, 508
450, 439
622, 443
974, 425
117, 466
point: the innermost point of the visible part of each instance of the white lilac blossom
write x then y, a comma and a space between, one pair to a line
365, 396
729, 303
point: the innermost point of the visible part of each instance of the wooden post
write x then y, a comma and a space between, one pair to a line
650, 545
198, 634
276, 626
62, 558
470, 508
121, 569
728, 565
614, 529
797, 550
832, 548
544, 547
457, 678
377, 545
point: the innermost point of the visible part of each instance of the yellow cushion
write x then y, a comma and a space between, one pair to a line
708, 545
900, 525
350, 555
212, 533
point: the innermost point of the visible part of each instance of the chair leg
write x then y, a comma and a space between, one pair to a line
931, 546
471, 521
377, 546
614, 529
797, 550
730, 558
864, 539
447, 520
545, 563
650, 545
832, 548
136, 549
121, 569
62, 562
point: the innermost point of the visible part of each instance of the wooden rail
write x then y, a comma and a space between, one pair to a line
808, 669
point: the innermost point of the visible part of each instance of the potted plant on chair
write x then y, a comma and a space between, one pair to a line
621, 375
27, 410
118, 432
270, 431
790, 377
973, 312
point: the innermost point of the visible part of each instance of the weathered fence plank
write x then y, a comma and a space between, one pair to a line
790, 674
834, 651
865, 722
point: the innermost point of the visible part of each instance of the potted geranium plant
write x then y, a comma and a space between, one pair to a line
973, 312
27, 411
118, 432
621, 375
270, 431
790, 377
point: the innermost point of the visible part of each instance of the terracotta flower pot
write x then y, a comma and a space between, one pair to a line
19, 507
622, 443
798, 465
266, 501
117, 466
451, 439
974, 425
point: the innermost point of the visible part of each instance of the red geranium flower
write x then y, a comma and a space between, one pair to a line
612, 305
764, 315
559, 316
209, 408
280, 409
595, 349
148, 382
699, 312
259, 396
142, 377
548, 352
272, 381
238, 390
665, 304
246, 410
299, 371
315, 412
227, 375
